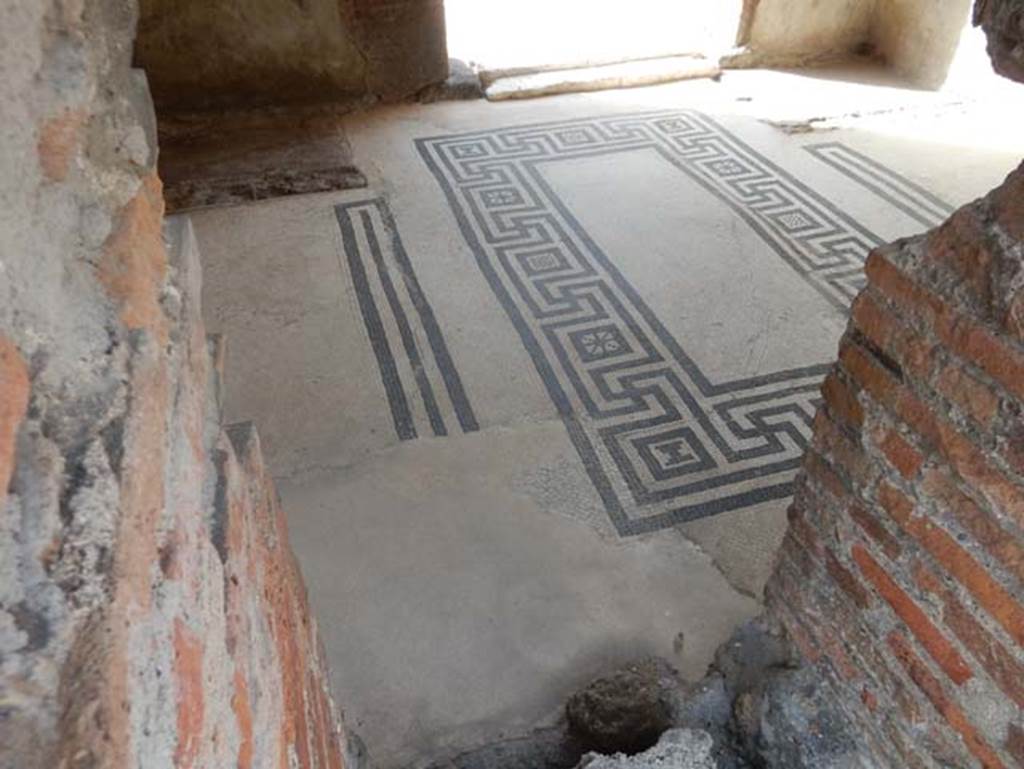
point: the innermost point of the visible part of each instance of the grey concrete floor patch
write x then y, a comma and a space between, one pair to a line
561, 489
457, 610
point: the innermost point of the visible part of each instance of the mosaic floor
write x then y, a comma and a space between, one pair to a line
642, 413
538, 394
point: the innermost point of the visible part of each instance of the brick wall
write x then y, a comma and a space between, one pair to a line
1003, 23
902, 571
151, 613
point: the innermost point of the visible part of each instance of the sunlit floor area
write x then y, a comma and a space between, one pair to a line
534, 33
537, 395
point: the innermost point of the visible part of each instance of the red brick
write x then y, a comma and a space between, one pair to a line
859, 633
869, 699
1011, 447
841, 401
806, 645
59, 139
864, 371
1015, 743
329, 755
892, 283
874, 321
845, 454
972, 246
863, 644
969, 393
900, 453
798, 553
1008, 204
920, 417
887, 332
966, 458
890, 393
1014, 322
976, 469
821, 471
1001, 360
133, 267
1004, 669
188, 675
937, 646
837, 655
799, 635
899, 506
243, 717
804, 550
874, 529
956, 561
986, 531
997, 358
963, 247
845, 579
14, 386
804, 533
934, 691
142, 481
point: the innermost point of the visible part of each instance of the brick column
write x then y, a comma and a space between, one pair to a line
902, 572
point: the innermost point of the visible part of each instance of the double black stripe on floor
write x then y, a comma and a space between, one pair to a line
377, 259
910, 198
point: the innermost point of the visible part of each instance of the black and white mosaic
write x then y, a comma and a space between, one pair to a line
401, 320
662, 443
895, 189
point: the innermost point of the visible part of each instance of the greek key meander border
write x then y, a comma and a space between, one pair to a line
825, 247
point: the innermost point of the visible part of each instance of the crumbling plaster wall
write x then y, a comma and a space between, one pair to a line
794, 32
916, 38
151, 613
200, 53
211, 54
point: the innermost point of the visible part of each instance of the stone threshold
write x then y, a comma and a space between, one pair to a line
628, 74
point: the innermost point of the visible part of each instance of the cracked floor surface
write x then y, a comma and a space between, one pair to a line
534, 396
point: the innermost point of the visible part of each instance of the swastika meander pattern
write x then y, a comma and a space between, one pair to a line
661, 442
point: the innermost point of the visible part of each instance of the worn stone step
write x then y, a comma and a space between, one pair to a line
628, 74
